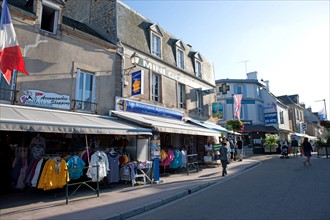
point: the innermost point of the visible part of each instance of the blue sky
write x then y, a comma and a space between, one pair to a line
286, 42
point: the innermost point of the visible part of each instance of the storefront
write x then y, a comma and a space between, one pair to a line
255, 134
175, 136
30, 134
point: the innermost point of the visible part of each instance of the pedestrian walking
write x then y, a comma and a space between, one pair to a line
232, 149
224, 157
239, 147
294, 147
228, 148
307, 148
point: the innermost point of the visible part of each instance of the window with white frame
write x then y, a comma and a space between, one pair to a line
182, 96
198, 68
258, 92
155, 88
49, 16
199, 101
156, 45
282, 117
239, 89
85, 91
180, 58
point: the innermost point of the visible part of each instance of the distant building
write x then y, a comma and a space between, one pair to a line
261, 111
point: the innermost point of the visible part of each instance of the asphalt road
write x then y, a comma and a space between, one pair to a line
276, 189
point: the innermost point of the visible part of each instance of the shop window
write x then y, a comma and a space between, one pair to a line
155, 88
49, 16
85, 92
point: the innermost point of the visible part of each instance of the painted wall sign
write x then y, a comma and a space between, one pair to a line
45, 99
175, 76
123, 104
137, 83
271, 118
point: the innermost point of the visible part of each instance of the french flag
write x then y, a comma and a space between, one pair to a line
10, 53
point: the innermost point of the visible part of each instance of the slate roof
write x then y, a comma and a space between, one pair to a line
83, 28
133, 30
287, 100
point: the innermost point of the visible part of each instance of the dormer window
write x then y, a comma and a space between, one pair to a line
49, 16
156, 45
179, 58
198, 66
156, 41
179, 54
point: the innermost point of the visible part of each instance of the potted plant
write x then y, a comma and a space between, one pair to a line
270, 143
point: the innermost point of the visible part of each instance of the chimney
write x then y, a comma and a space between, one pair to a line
267, 84
252, 75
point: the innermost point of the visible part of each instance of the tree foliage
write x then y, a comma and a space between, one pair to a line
270, 140
234, 125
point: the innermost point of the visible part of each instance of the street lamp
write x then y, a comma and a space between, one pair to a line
325, 108
135, 58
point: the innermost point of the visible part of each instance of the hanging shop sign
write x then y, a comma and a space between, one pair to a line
137, 83
39, 98
123, 104
217, 110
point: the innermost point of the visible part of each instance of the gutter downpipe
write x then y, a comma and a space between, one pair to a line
121, 53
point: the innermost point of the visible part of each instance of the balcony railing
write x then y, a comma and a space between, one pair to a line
84, 106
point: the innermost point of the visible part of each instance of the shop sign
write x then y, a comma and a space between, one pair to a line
123, 104
271, 118
137, 83
165, 72
217, 110
243, 102
45, 99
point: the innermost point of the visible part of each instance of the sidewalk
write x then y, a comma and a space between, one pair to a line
122, 201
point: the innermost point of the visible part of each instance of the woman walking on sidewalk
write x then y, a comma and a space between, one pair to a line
307, 148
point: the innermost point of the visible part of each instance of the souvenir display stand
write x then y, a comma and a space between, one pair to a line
211, 157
